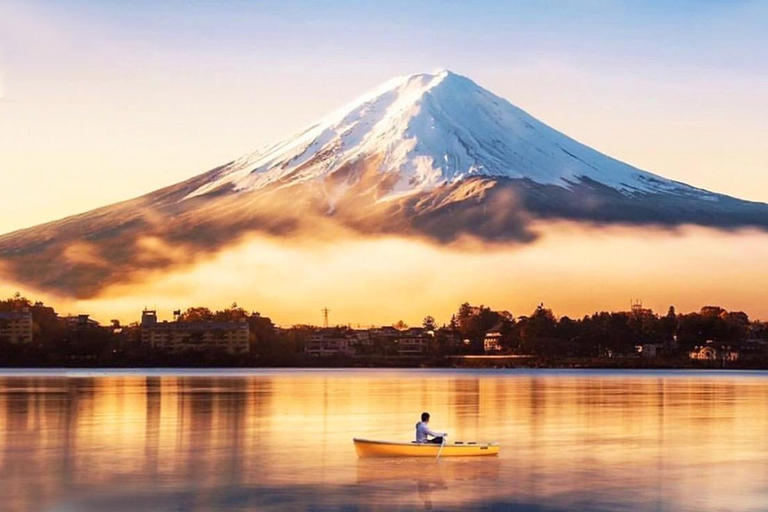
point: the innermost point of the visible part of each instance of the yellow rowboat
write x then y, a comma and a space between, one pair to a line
369, 448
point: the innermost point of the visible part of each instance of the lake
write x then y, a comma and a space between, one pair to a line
282, 440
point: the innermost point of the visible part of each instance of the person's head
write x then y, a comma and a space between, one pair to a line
425, 417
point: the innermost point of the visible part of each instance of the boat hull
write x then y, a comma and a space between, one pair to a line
369, 448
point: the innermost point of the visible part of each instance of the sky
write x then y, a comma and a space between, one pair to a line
102, 101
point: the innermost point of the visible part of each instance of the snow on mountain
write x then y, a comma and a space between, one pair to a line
435, 129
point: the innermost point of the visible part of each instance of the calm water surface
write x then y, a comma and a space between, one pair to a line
281, 440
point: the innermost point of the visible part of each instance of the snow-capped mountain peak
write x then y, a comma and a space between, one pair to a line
432, 129
429, 155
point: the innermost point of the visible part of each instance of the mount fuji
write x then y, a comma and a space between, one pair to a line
428, 155
431, 130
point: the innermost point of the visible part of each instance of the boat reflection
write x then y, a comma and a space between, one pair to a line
430, 479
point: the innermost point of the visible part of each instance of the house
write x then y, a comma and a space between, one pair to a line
16, 326
711, 352
451, 337
175, 337
415, 331
386, 333
80, 322
328, 342
752, 348
648, 350
363, 337
413, 344
492, 340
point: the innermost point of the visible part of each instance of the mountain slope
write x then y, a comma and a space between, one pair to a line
428, 155
433, 130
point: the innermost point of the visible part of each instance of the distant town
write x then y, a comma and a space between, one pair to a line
33, 334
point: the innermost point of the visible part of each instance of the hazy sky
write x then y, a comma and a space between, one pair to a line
106, 100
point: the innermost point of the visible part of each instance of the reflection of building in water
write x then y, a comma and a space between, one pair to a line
467, 405
16, 326
174, 337
153, 396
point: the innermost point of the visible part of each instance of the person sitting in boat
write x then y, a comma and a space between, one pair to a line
423, 432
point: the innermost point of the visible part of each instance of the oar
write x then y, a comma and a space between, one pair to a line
441, 448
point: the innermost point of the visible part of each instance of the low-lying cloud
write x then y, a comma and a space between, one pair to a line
573, 268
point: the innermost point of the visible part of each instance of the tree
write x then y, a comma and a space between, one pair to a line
233, 313
196, 314
541, 324
667, 327
15, 303
400, 325
429, 323
473, 322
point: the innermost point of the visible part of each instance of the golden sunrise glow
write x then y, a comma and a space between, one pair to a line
575, 270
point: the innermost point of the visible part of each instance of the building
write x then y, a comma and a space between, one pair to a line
329, 342
450, 337
413, 343
80, 322
638, 309
363, 337
175, 337
711, 352
492, 340
648, 350
16, 326
385, 333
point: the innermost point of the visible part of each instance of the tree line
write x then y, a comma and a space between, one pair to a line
541, 333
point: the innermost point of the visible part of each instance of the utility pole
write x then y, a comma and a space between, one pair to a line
325, 316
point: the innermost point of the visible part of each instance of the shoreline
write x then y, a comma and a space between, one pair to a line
496, 362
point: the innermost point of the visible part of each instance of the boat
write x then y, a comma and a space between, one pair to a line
371, 448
